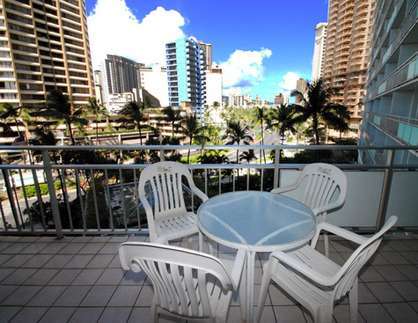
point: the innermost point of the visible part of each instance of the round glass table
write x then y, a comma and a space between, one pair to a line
256, 222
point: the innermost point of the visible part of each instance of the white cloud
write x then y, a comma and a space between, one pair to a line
243, 68
288, 82
114, 29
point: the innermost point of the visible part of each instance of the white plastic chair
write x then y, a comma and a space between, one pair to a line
322, 187
187, 284
168, 218
315, 281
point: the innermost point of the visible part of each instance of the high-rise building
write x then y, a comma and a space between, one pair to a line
121, 75
319, 49
302, 87
98, 85
186, 74
44, 46
214, 86
239, 100
116, 101
207, 55
347, 53
154, 81
391, 112
281, 99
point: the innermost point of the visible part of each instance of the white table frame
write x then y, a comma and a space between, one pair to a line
246, 290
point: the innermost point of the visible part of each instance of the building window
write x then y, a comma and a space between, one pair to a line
408, 133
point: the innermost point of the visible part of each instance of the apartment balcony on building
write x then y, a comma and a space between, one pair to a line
62, 223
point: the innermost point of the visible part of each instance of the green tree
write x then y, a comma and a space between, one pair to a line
99, 111
283, 119
192, 130
135, 112
340, 121
16, 114
236, 133
317, 107
173, 116
248, 156
43, 137
213, 157
260, 114
59, 107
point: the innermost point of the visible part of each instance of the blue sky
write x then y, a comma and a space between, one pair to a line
285, 27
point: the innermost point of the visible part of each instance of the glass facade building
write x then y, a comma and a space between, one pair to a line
391, 112
186, 74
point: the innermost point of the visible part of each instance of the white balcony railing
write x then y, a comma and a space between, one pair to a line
70, 190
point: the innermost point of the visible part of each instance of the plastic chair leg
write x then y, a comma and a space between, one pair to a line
353, 296
324, 314
154, 312
326, 244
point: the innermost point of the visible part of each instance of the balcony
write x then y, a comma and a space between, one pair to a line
407, 72
78, 278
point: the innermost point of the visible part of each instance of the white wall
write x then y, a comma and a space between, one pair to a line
363, 197
155, 82
213, 88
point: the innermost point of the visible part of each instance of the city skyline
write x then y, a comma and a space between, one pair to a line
254, 60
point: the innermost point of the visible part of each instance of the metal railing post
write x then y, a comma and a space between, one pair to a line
12, 202
386, 187
52, 194
276, 168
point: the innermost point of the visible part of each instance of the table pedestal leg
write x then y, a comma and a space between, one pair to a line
247, 288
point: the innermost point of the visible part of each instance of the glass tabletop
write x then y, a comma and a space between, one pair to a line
260, 220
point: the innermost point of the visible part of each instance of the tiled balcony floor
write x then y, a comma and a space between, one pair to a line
80, 280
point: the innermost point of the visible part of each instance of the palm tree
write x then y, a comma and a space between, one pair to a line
173, 116
98, 111
17, 114
213, 157
192, 130
260, 116
283, 118
43, 137
59, 107
317, 107
135, 112
340, 121
248, 156
237, 133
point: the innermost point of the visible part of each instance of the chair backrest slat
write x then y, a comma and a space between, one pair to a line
203, 293
163, 189
180, 276
172, 295
191, 291
178, 282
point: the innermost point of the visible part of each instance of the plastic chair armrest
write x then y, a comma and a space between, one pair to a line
237, 268
303, 269
283, 189
343, 233
327, 208
199, 193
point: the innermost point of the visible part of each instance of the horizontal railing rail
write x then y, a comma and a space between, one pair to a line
206, 147
42, 193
